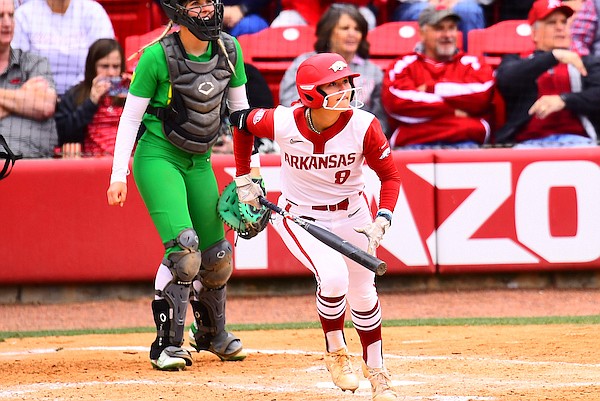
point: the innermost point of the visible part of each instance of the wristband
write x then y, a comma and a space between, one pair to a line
385, 213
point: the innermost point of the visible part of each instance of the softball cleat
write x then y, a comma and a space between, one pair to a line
224, 345
339, 365
172, 358
381, 384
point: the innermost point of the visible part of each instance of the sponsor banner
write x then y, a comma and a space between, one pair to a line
494, 210
515, 209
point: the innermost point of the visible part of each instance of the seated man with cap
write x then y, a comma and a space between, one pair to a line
551, 96
438, 96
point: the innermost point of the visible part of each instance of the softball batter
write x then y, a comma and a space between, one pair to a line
324, 141
180, 90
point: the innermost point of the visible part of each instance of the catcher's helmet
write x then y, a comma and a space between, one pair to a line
206, 27
322, 68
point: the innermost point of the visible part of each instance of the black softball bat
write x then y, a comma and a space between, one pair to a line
344, 247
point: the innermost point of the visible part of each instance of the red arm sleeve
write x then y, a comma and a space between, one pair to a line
242, 150
379, 157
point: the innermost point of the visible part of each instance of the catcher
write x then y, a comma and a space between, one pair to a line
180, 90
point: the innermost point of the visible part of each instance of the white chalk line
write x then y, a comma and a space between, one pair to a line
23, 390
407, 358
32, 389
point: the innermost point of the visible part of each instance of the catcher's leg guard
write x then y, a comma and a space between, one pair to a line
164, 355
184, 266
217, 265
208, 331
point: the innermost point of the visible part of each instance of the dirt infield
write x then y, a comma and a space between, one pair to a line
466, 363
428, 363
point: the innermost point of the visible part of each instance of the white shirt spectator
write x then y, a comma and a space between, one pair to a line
64, 39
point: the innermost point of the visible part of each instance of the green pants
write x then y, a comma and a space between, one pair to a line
179, 189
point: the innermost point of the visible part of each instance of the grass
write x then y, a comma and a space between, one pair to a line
485, 321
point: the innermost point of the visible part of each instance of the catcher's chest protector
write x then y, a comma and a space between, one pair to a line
199, 94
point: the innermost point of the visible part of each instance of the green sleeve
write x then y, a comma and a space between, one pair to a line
151, 76
239, 78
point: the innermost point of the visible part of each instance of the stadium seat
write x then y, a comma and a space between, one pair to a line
133, 43
505, 37
128, 17
272, 50
388, 41
391, 39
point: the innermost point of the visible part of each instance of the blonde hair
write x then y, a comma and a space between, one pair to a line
162, 35
166, 31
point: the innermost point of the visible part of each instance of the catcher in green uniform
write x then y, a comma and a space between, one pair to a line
180, 90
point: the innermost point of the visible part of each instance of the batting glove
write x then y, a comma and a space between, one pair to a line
248, 191
375, 230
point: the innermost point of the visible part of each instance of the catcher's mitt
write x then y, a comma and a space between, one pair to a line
246, 220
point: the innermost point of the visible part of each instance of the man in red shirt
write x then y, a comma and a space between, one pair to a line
437, 95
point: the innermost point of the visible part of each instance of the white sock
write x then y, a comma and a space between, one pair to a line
375, 355
335, 340
163, 277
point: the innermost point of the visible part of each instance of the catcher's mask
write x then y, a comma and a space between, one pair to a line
9, 158
324, 68
244, 219
204, 19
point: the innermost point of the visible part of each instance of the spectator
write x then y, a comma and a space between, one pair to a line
27, 95
62, 31
470, 13
343, 30
87, 116
552, 96
309, 12
437, 95
244, 17
583, 25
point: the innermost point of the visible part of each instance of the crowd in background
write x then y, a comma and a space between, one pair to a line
63, 80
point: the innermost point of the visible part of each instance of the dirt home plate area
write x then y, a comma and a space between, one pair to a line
443, 363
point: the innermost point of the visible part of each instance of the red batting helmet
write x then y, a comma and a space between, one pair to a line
322, 68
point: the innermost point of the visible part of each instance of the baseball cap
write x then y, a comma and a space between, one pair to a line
541, 9
433, 16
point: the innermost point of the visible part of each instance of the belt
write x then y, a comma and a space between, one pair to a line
343, 205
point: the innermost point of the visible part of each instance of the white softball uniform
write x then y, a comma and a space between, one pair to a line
322, 180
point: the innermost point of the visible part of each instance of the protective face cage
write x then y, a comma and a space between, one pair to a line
321, 69
206, 28
9, 158
354, 95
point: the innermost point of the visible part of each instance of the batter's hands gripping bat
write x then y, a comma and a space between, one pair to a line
344, 247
